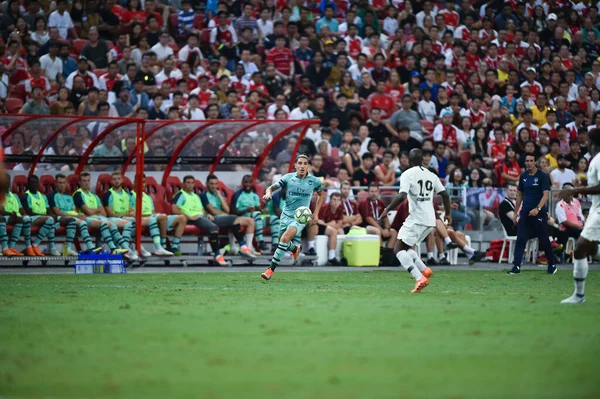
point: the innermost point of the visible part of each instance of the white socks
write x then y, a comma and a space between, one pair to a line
331, 254
249, 239
430, 255
447, 240
469, 251
407, 262
311, 244
580, 271
416, 259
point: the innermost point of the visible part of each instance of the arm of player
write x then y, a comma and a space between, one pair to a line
594, 190
269, 192
320, 201
400, 198
224, 204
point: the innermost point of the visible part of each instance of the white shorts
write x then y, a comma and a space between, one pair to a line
591, 229
413, 234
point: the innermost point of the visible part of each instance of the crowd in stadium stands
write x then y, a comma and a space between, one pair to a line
475, 84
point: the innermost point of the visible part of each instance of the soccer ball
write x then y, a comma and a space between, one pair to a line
303, 215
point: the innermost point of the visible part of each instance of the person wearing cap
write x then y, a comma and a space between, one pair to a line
562, 174
548, 32
83, 72
535, 87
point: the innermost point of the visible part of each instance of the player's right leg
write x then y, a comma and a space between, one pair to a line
46, 226
205, 224
21, 224
175, 223
292, 230
583, 249
410, 235
249, 225
106, 229
6, 251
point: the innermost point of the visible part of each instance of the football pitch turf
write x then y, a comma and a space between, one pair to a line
470, 334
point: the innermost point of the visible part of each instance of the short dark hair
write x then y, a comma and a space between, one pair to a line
367, 155
336, 194
530, 154
211, 177
187, 177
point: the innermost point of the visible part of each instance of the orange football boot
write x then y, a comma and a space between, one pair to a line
427, 272
296, 254
267, 274
419, 285
37, 250
16, 253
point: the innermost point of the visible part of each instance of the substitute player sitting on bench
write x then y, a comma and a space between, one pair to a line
331, 219
37, 207
245, 202
12, 213
165, 223
215, 204
186, 202
63, 207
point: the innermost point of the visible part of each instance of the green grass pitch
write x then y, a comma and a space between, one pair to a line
356, 334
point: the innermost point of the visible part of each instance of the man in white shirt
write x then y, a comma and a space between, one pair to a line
168, 72
61, 19
427, 107
192, 112
249, 66
162, 49
190, 48
562, 174
301, 112
428, 10
51, 64
419, 185
359, 68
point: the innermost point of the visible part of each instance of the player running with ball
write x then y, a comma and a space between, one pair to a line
587, 245
297, 191
419, 185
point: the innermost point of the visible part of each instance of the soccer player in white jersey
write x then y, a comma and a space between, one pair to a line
587, 245
419, 185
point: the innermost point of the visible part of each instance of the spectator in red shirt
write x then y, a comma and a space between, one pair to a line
371, 210
37, 79
381, 100
282, 58
16, 66
330, 222
251, 107
498, 147
510, 169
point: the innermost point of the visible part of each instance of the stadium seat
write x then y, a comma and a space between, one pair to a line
127, 184
174, 46
205, 37
260, 191
199, 187
19, 185
54, 89
173, 186
162, 206
465, 158
227, 192
13, 105
46, 184
100, 72
199, 20
427, 125
18, 91
362, 196
102, 184
154, 190
78, 45
72, 183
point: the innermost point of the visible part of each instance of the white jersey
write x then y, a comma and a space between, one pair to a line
420, 185
594, 180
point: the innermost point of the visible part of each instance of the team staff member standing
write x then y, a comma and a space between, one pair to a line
533, 194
